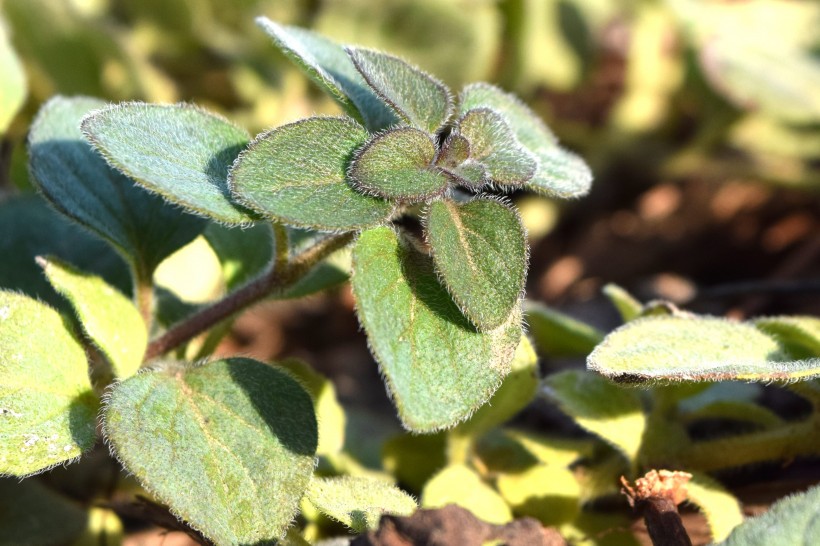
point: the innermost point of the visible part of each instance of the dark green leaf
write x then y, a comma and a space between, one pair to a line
79, 184
557, 334
47, 408
495, 146
228, 445
359, 502
395, 165
438, 368
327, 64
416, 97
31, 514
244, 252
296, 174
176, 150
480, 251
560, 173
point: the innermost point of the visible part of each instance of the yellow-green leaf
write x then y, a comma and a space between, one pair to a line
358, 502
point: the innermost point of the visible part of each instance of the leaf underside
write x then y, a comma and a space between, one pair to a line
359, 502
438, 368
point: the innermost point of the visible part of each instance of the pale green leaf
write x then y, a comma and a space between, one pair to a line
438, 368
395, 165
78, 183
628, 307
228, 445
611, 412
556, 334
179, 151
457, 484
560, 173
677, 348
480, 251
416, 97
359, 502
721, 508
514, 394
546, 492
296, 174
108, 318
33, 515
495, 146
12, 80
327, 64
792, 521
799, 335
47, 407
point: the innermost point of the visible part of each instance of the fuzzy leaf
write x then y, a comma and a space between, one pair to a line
721, 508
186, 432
12, 81
495, 146
480, 251
460, 485
33, 514
792, 521
454, 151
799, 335
416, 97
557, 334
358, 502
628, 307
47, 408
438, 368
109, 319
79, 184
296, 174
178, 151
560, 173
329, 66
611, 412
546, 492
394, 165
676, 348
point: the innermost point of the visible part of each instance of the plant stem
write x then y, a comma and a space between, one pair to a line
276, 280
281, 248
144, 295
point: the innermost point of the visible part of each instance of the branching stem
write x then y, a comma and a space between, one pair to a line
281, 276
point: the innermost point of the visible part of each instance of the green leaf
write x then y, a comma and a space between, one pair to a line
560, 173
332, 271
395, 165
546, 492
32, 514
12, 80
457, 484
328, 65
243, 252
414, 458
454, 151
514, 394
737, 411
611, 412
186, 432
296, 174
47, 408
557, 334
480, 251
358, 502
792, 521
108, 318
78, 183
495, 146
721, 508
416, 97
438, 368
677, 348
628, 307
179, 151
799, 335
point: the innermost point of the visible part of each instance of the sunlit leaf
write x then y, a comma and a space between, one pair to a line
12, 80
460, 485
721, 508
546, 492
358, 502
557, 334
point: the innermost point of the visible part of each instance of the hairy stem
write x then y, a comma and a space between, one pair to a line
276, 280
281, 248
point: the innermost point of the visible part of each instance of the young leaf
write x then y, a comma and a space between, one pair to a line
560, 173
454, 151
611, 412
628, 307
176, 150
358, 502
31, 513
557, 334
416, 97
480, 251
495, 146
108, 318
47, 408
676, 348
546, 492
12, 80
799, 335
185, 432
792, 521
79, 184
460, 485
327, 64
296, 174
394, 165
721, 508
438, 368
